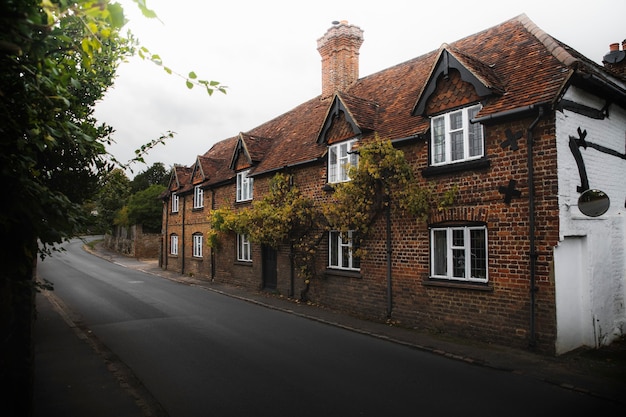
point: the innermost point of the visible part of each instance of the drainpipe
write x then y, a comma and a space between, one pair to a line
292, 256
164, 241
212, 250
389, 251
505, 115
182, 238
531, 225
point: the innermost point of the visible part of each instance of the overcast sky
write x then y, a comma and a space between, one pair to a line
266, 53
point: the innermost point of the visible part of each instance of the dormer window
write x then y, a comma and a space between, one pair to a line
198, 197
454, 139
340, 159
244, 186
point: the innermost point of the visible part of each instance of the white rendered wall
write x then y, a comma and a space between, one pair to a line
590, 259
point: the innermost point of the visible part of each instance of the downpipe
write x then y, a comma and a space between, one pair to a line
389, 252
532, 342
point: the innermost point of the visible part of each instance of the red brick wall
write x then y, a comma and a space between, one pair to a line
498, 311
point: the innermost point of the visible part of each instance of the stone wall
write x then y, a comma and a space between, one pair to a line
131, 241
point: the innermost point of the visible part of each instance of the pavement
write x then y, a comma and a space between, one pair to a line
75, 375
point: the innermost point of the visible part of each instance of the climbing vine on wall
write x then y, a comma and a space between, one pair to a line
283, 216
382, 178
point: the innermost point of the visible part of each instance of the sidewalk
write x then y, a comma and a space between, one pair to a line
599, 373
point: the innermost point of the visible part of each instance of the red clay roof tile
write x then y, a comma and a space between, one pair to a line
524, 64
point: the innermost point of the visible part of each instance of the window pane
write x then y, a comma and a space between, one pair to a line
239, 188
479, 253
197, 245
458, 237
250, 184
174, 245
456, 120
345, 256
458, 253
354, 161
475, 134
440, 262
456, 145
343, 150
334, 249
476, 140
332, 164
343, 162
458, 263
439, 144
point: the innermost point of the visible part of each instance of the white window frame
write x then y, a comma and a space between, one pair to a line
197, 245
198, 197
446, 127
244, 249
175, 201
459, 250
340, 254
244, 186
173, 244
340, 159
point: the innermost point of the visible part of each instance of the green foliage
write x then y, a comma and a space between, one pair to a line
58, 57
191, 80
383, 178
156, 174
113, 195
57, 60
146, 208
283, 216
121, 217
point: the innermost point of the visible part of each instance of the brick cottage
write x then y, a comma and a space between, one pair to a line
529, 132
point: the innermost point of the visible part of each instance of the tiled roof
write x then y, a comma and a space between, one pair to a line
364, 112
482, 70
181, 179
521, 63
256, 146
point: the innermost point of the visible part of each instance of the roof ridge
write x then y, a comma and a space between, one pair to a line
548, 41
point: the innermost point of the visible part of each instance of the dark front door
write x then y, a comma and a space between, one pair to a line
269, 267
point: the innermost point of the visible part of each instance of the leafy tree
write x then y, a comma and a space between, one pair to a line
113, 195
51, 151
145, 208
156, 174
58, 57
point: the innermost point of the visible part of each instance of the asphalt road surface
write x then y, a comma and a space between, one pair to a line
201, 353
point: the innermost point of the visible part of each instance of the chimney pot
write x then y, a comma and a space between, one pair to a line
614, 47
339, 49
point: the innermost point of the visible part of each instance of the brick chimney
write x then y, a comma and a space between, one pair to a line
615, 60
339, 49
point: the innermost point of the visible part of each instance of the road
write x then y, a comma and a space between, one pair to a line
201, 353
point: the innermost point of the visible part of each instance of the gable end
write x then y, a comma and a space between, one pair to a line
445, 63
337, 108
